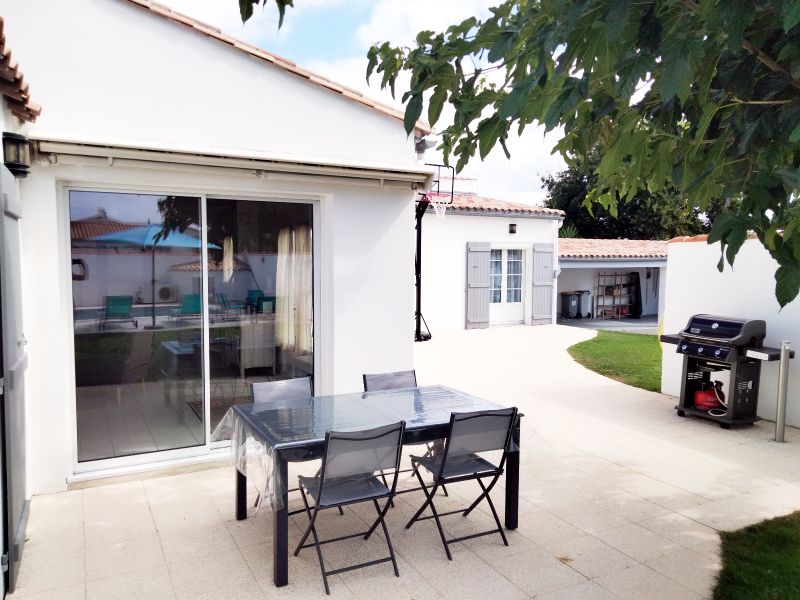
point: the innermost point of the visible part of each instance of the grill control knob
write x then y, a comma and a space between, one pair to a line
700, 350
717, 352
684, 348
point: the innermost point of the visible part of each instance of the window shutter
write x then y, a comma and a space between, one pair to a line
542, 284
477, 285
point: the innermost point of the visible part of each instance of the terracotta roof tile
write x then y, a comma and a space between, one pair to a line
589, 248
278, 61
84, 229
13, 85
474, 203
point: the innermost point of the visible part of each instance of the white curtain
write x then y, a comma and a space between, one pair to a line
293, 290
227, 259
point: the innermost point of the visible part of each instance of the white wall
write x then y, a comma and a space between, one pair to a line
748, 291
363, 270
444, 259
571, 279
111, 70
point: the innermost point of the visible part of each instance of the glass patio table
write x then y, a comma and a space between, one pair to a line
295, 431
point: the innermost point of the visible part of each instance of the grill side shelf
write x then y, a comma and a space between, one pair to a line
671, 338
766, 354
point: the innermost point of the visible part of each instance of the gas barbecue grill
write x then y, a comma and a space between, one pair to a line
712, 344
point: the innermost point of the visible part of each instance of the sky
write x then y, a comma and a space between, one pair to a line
331, 37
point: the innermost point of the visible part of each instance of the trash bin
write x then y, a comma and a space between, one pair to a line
584, 308
569, 305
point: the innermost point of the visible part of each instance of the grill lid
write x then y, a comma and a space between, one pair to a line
729, 330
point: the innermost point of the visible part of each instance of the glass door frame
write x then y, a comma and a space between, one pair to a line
200, 452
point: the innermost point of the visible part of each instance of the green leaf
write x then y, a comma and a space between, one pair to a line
735, 239
795, 135
436, 103
787, 284
413, 112
705, 120
488, 132
617, 18
791, 18
246, 9
674, 80
789, 176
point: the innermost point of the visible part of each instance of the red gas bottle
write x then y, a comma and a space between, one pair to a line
709, 396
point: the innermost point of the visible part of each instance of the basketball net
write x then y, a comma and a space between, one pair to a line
439, 202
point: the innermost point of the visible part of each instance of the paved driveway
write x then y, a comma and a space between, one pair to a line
617, 487
620, 499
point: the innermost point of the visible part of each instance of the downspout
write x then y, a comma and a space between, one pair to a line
419, 213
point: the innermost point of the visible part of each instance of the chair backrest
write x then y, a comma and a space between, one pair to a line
480, 431
389, 381
253, 296
285, 389
222, 299
191, 304
119, 306
361, 454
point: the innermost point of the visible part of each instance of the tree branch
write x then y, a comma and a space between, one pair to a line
769, 62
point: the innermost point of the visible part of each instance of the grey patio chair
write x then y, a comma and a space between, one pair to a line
284, 389
275, 392
351, 464
470, 435
398, 380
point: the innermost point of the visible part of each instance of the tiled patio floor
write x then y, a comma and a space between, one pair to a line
620, 498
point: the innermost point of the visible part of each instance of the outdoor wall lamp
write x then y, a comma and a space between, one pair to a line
16, 154
512, 228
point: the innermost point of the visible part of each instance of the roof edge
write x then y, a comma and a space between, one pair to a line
276, 60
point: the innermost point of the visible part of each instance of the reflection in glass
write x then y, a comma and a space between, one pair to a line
260, 284
514, 276
138, 318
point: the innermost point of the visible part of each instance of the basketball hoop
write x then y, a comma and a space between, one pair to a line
439, 201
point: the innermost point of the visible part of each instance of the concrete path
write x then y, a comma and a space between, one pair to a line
620, 498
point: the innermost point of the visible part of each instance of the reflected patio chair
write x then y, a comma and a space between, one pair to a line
469, 436
397, 380
191, 308
350, 465
118, 309
230, 306
254, 298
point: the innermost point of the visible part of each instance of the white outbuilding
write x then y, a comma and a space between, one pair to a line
489, 262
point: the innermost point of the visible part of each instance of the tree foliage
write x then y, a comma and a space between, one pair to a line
246, 8
657, 215
699, 95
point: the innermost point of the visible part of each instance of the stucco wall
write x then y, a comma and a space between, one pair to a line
111, 70
363, 277
444, 259
570, 279
695, 286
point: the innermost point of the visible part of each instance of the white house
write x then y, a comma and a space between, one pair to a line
16, 109
199, 214
695, 286
623, 278
489, 262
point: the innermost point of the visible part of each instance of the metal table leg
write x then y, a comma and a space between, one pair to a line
280, 527
241, 495
512, 483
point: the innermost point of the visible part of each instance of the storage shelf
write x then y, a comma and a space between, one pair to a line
615, 296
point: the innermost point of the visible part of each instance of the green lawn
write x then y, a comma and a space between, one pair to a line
761, 562
632, 358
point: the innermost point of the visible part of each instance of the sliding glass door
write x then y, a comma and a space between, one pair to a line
152, 310
260, 284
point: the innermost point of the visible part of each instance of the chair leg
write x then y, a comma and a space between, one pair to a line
381, 515
313, 531
494, 514
429, 502
484, 494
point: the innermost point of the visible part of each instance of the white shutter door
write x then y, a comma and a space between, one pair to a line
477, 285
542, 284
